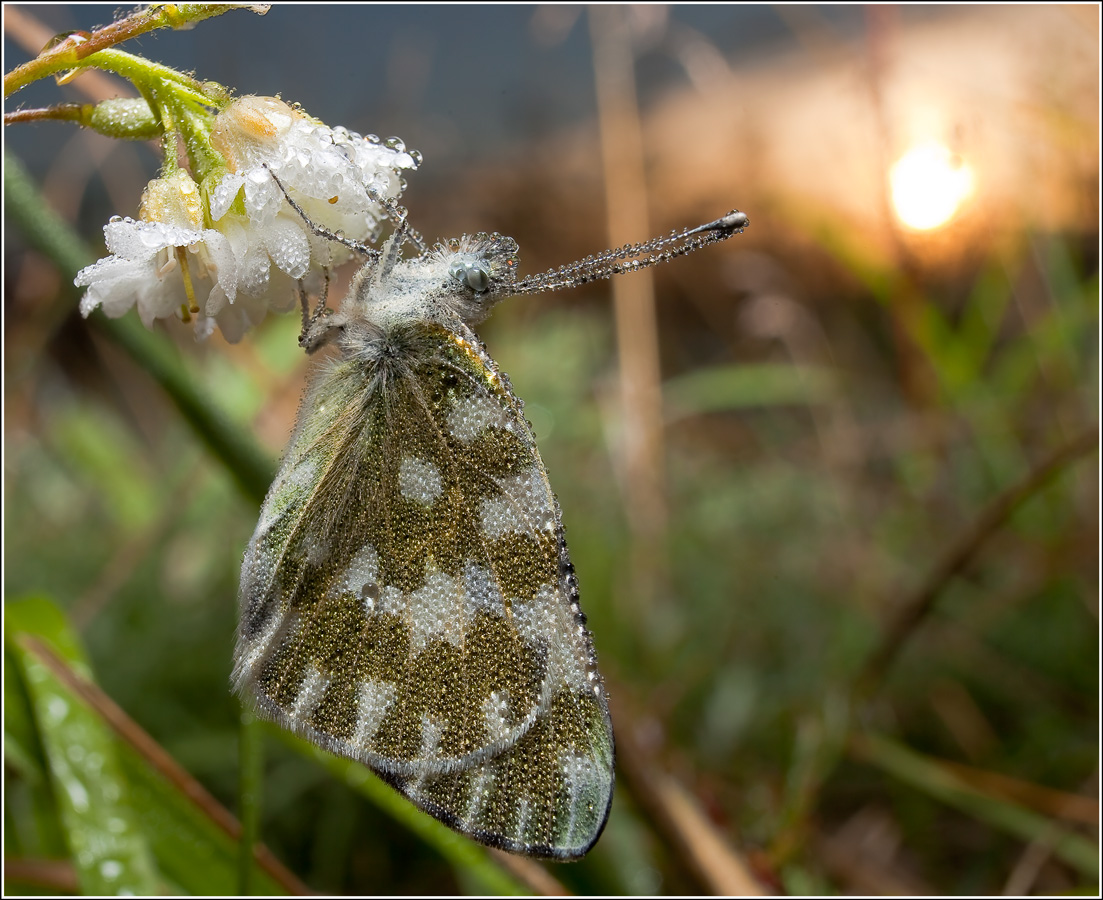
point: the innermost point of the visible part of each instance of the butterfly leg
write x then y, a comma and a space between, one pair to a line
320, 230
396, 215
320, 310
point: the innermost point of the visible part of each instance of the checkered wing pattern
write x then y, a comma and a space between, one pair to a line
407, 599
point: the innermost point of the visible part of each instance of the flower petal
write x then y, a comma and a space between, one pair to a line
287, 245
224, 194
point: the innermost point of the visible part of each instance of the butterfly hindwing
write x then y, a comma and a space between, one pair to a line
407, 599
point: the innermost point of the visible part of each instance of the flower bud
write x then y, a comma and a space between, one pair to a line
173, 199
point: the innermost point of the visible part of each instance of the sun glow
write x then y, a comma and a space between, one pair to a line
929, 184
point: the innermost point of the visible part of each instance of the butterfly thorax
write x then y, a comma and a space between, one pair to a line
461, 280
454, 285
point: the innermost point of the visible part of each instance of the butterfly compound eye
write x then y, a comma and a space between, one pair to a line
475, 275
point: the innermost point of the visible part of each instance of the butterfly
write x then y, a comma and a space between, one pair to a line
407, 599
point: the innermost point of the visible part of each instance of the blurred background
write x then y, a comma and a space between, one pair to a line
831, 487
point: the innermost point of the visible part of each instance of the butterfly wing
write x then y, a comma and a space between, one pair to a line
407, 599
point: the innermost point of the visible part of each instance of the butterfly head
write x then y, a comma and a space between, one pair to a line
481, 270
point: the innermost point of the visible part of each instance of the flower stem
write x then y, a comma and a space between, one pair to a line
250, 786
81, 113
73, 51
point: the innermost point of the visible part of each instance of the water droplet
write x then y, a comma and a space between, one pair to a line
76, 37
78, 796
111, 869
397, 144
57, 709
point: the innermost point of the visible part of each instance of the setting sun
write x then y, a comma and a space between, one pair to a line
928, 185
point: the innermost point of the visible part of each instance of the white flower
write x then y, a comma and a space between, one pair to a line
145, 268
336, 176
260, 286
166, 261
170, 263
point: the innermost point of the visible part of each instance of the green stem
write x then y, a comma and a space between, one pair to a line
466, 857
936, 781
163, 107
194, 128
74, 51
250, 786
154, 76
250, 466
916, 609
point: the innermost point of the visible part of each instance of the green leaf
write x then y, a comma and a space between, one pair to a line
123, 802
19, 736
106, 845
191, 849
34, 829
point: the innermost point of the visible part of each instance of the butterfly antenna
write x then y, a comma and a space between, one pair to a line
633, 257
392, 250
397, 215
321, 231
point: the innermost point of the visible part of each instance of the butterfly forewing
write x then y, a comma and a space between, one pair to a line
407, 599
